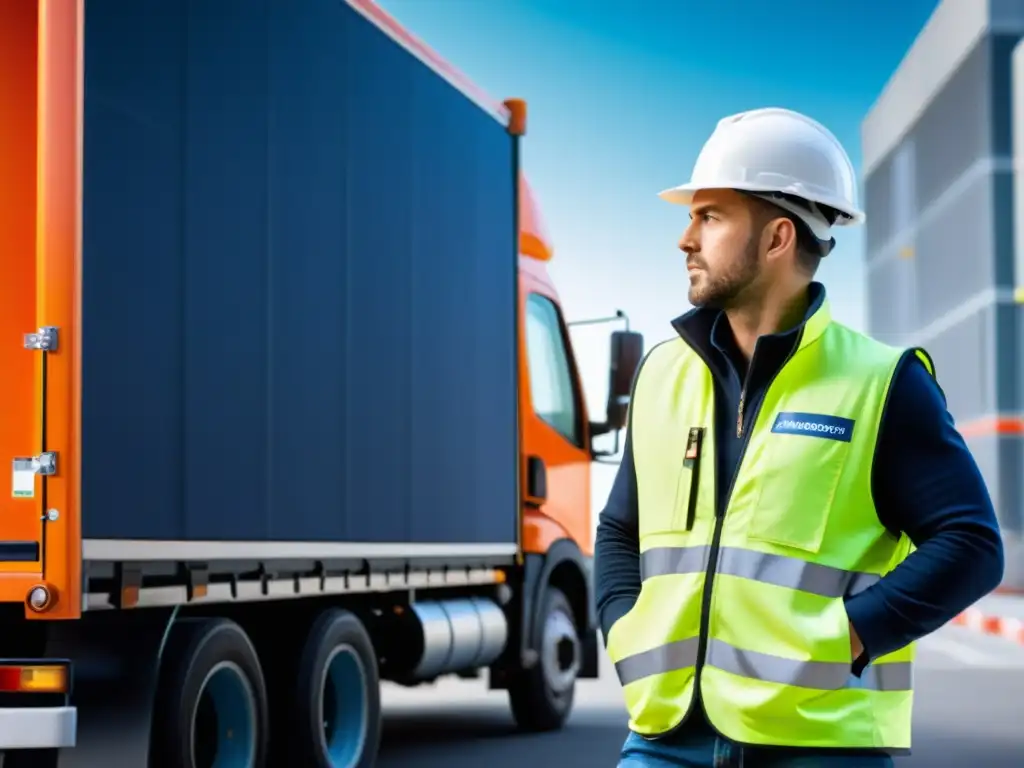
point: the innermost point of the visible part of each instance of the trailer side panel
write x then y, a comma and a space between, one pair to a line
299, 283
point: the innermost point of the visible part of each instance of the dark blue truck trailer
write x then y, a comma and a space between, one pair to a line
276, 386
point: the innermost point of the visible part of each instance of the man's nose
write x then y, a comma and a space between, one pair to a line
688, 242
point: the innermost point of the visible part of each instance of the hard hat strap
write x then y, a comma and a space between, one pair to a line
809, 219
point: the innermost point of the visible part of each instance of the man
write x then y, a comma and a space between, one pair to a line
794, 506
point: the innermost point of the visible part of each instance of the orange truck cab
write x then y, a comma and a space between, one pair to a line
290, 406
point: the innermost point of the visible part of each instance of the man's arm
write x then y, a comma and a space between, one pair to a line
617, 547
927, 485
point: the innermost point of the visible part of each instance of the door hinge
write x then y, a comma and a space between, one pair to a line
44, 339
45, 463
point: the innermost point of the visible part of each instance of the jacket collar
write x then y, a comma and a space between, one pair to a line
696, 326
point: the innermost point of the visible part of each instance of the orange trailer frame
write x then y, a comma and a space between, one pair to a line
50, 32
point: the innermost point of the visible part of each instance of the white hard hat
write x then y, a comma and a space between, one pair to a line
772, 151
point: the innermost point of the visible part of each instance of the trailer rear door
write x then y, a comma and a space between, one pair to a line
21, 503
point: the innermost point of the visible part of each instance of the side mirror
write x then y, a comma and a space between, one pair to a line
627, 352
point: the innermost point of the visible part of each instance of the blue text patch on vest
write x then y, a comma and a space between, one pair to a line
814, 425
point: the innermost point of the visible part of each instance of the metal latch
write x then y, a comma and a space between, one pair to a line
45, 463
44, 339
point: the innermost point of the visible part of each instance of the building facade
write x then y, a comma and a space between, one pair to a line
943, 260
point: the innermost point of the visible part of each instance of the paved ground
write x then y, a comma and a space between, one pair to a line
969, 714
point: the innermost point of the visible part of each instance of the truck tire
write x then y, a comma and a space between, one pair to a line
336, 717
542, 695
211, 700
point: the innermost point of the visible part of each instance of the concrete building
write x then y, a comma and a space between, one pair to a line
939, 190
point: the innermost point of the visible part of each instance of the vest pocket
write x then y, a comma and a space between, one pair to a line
692, 458
796, 487
677, 510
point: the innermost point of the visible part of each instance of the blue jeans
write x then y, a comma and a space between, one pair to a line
704, 749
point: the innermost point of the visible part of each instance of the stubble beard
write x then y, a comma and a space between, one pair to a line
724, 289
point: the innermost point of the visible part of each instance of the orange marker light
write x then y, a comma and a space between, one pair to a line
516, 116
33, 679
129, 597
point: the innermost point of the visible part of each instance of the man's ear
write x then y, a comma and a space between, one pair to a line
778, 238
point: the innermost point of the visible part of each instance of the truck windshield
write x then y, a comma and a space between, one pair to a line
551, 387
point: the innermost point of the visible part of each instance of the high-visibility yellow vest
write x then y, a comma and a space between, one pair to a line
754, 599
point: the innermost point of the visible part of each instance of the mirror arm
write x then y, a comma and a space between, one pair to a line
619, 315
599, 455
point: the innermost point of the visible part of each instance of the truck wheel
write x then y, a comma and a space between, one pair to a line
336, 704
542, 696
211, 702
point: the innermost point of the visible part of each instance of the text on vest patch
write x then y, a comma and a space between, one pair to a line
814, 425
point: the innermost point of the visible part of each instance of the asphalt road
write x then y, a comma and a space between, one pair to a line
969, 713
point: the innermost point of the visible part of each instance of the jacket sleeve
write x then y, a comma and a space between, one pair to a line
926, 485
617, 547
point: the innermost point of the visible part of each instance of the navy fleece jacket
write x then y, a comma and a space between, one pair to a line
925, 484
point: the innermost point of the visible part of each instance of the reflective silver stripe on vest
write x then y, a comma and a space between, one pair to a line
818, 675
665, 658
791, 572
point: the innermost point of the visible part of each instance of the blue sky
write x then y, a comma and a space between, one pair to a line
621, 100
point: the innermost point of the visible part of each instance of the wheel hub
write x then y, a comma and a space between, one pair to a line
224, 721
560, 652
344, 708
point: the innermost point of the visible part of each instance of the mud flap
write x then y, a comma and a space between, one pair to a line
115, 660
589, 650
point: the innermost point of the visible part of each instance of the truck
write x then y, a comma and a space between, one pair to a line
289, 399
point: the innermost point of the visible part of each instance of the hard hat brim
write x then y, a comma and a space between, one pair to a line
683, 195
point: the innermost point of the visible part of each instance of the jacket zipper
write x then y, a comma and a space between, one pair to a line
743, 399
716, 537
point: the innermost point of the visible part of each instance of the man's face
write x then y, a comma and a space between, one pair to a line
722, 249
